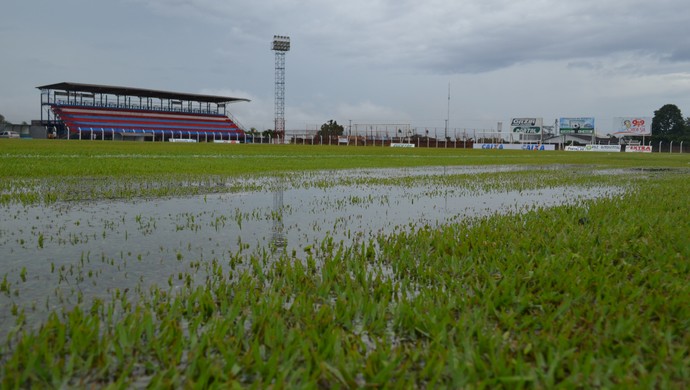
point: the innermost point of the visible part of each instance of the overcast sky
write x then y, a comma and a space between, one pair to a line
365, 61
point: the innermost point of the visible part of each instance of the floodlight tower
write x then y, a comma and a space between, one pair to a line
281, 45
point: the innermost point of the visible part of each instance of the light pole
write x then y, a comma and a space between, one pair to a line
281, 45
447, 113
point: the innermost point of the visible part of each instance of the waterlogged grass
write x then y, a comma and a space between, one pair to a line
55, 256
592, 294
71, 188
473, 180
46, 171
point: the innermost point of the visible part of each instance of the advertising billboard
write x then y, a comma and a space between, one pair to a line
638, 148
633, 125
584, 125
526, 125
594, 148
532, 147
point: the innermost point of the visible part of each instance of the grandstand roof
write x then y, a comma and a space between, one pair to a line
140, 92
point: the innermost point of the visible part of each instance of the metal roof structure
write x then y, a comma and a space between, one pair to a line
139, 92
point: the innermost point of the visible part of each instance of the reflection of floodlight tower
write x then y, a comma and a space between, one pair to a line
278, 238
281, 45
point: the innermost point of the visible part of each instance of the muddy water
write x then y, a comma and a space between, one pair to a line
57, 255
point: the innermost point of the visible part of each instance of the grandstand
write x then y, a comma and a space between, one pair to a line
88, 111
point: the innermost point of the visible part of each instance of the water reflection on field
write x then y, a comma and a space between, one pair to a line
55, 256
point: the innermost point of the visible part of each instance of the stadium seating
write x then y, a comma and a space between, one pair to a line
161, 124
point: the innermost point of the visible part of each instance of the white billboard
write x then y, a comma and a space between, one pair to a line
632, 125
526, 125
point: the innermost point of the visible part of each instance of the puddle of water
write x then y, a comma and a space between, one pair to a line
54, 256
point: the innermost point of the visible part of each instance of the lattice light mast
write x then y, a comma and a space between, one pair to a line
281, 45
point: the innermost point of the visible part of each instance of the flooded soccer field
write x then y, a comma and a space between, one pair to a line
452, 276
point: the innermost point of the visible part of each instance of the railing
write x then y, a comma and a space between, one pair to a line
236, 122
62, 103
101, 133
672, 147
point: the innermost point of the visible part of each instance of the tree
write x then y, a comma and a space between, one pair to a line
331, 128
668, 122
3, 122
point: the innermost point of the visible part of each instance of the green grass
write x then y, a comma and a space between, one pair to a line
50, 158
590, 295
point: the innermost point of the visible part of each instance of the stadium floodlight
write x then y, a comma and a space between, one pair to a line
281, 43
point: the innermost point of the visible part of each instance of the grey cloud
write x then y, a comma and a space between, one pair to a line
586, 65
680, 54
372, 46
445, 36
477, 42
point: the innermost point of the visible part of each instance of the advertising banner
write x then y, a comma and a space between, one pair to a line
638, 148
224, 141
534, 147
401, 145
594, 148
640, 125
583, 125
575, 149
526, 125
